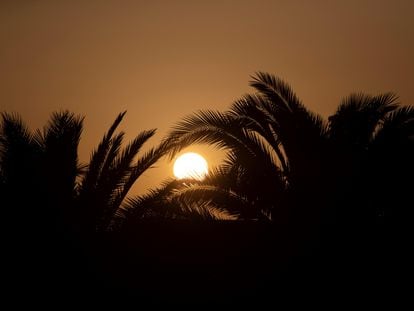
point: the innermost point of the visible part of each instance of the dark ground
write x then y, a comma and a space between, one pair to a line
225, 263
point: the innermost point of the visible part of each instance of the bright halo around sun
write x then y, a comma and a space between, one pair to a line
190, 165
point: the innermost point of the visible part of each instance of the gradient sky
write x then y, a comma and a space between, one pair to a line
162, 60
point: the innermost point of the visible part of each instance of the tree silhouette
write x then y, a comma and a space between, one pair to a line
38, 186
286, 163
274, 147
373, 141
44, 167
111, 173
53, 206
39, 169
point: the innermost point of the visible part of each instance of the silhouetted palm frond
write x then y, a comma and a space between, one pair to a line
119, 175
251, 111
225, 200
14, 135
299, 132
18, 151
112, 172
99, 156
209, 127
113, 152
359, 116
59, 142
166, 202
397, 127
40, 170
277, 91
145, 162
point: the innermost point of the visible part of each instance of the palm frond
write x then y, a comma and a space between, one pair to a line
232, 202
359, 116
209, 127
298, 130
251, 111
136, 208
169, 202
143, 163
277, 91
397, 128
59, 141
119, 174
113, 152
14, 131
18, 151
99, 155
124, 160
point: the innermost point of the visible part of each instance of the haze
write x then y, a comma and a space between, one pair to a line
162, 60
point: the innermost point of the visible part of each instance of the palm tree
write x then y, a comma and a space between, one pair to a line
17, 150
58, 143
373, 138
42, 181
39, 170
52, 205
274, 150
110, 175
284, 161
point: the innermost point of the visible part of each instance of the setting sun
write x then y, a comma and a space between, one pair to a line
190, 165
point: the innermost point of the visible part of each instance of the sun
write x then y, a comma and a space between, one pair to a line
190, 165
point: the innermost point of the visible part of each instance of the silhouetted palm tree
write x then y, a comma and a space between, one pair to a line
111, 173
58, 143
38, 186
273, 145
39, 170
284, 161
51, 206
373, 140
42, 181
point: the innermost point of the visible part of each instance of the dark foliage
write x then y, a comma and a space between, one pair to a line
300, 205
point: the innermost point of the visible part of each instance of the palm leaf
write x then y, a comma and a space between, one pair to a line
277, 91
18, 150
165, 203
397, 128
359, 116
209, 127
99, 155
119, 175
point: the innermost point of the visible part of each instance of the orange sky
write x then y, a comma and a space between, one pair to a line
162, 60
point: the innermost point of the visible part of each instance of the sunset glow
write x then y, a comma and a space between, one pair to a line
190, 165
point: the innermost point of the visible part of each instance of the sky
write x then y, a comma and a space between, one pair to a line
163, 60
